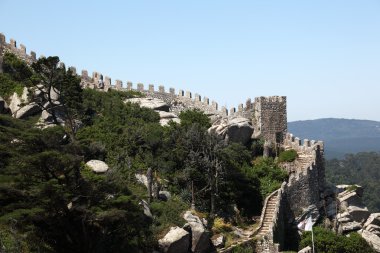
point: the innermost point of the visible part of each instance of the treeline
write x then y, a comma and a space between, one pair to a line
51, 202
361, 168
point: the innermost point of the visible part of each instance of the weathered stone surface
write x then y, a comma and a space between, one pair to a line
344, 219
164, 195
164, 122
349, 198
358, 214
236, 129
372, 239
147, 211
46, 115
374, 219
201, 242
97, 166
177, 240
310, 211
151, 103
350, 226
308, 249
141, 178
27, 111
166, 117
270, 118
15, 103
373, 229
219, 242
343, 187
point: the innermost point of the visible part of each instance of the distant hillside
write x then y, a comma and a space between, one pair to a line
341, 136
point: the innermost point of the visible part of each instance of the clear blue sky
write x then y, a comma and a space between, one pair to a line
323, 55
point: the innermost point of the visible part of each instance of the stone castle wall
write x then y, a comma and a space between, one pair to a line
303, 188
270, 118
274, 239
20, 51
179, 101
268, 113
307, 181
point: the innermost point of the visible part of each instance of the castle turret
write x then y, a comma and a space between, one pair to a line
270, 120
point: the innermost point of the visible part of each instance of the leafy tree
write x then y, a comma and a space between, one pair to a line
195, 116
363, 169
60, 88
16, 68
49, 198
15, 74
269, 174
287, 156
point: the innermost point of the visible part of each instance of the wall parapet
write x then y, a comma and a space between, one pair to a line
97, 81
20, 51
305, 146
307, 177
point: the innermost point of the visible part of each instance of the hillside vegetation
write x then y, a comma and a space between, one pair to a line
363, 169
52, 202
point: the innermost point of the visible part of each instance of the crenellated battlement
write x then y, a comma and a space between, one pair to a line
102, 82
305, 146
271, 99
20, 51
262, 111
306, 173
270, 118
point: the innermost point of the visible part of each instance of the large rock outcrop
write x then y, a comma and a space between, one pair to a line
166, 117
97, 166
200, 238
27, 111
371, 231
177, 240
236, 129
146, 208
16, 101
354, 216
372, 239
352, 213
151, 103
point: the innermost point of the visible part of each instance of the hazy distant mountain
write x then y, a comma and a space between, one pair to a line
341, 136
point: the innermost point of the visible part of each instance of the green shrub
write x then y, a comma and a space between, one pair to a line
352, 188
244, 249
8, 86
194, 116
221, 226
269, 174
16, 68
167, 214
287, 156
327, 241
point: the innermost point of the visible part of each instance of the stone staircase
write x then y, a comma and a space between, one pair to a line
268, 215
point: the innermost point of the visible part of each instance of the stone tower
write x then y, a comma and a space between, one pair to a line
270, 120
